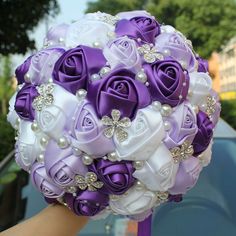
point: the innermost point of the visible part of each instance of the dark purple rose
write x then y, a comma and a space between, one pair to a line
74, 67
22, 69
87, 203
62, 165
175, 198
24, 100
43, 183
145, 28
204, 134
202, 65
118, 90
168, 83
116, 176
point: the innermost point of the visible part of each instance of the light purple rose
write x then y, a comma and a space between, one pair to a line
42, 63
87, 203
183, 126
24, 100
168, 82
122, 52
87, 132
43, 183
173, 45
143, 27
186, 176
62, 165
131, 14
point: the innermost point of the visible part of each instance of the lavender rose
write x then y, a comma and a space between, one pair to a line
118, 90
183, 126
87, 203
62, 165
204, 134
43, 183
122, 52
116, 176
168, 82
24, 100
22, 69
145, 28
87, 132
74, 67
202, 65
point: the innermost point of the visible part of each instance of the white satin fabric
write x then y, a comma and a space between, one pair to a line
205, 157
12, 115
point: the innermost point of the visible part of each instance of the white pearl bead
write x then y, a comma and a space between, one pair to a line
96, 44
50, 80
111, 34
27, 77
104, 70
43, 141
139, 40
166, 52
156, 105
166, 110
61, 40
139, 185
141, 76
34, 126
40, 158
63, 142
87, 160
167, 125
112, 156
95, 77
180, 97
183, 64
76, 151
138, 165
81, 94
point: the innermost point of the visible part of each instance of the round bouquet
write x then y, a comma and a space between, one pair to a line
115, 114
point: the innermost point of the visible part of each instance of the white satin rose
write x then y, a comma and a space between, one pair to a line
205, 157
134, 201
159, 171
92, 30
53, 119
144, 135
122, 52
12, 116
199, 87
28, 145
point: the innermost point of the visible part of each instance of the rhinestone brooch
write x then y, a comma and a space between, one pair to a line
45, 98
116, 125
210, 105
88, 182
109, 19
150, 53
182, 152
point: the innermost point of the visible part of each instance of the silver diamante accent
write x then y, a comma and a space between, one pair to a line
150, 53
116, 126
45, 97
182, 152
109, 19
89, 181
210, 105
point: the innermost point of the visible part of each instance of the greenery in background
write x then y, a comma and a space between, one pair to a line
18, 19
207, 23
228, 112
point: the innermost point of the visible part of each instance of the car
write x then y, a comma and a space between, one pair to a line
207, 209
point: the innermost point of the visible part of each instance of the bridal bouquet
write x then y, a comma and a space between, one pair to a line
115, 114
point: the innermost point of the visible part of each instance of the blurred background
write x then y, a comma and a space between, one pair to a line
209, 24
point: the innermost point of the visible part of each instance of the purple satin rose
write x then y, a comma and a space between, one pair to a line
22, 69
118, 90
202, 65
186, 176
73, 69
87, 132
122, 52
43, 183
87, 203
173, 45
42, 63
204, 134
168, 83
145, 28
183, 126
24, 100
116, 176
175, 198
62, 165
